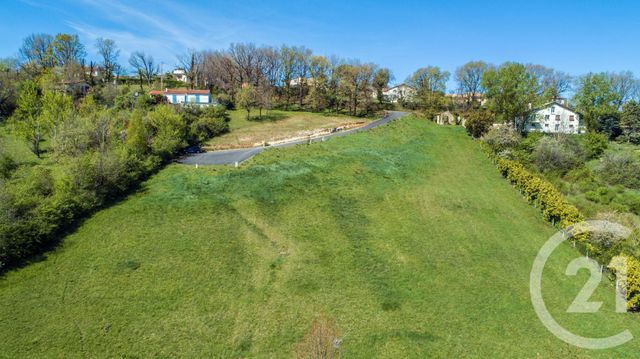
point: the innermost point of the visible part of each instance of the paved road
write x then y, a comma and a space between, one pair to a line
224, 157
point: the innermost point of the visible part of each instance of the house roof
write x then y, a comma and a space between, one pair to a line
555, 103
179, 92
403, 84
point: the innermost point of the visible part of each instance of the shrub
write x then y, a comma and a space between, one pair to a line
322, 341
168, 131
478, 123
622, 168
557, 154
7, 165
501, 138
595, 144
554, 207
628, 267
204, 123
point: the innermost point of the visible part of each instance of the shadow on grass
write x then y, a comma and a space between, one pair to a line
269, 117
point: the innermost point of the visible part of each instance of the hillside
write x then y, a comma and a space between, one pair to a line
405, 235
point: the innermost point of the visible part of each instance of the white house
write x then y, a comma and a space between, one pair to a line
552, 117
184, 96
180, 75
301, 81
399, 92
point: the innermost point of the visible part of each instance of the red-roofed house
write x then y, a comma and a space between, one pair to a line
182, 96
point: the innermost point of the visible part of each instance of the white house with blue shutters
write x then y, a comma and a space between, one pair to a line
184, 96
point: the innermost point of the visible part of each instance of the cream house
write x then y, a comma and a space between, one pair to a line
402, 92
552, 117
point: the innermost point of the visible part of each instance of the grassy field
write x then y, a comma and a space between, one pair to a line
406, 235
274, 125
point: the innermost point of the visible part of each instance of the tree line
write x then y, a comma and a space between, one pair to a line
607, 101
264, 77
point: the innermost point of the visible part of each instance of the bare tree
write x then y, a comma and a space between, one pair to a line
552, 84
303, 55
221, 72
191, 63
37, 50
245, 56
469, 78
109, 52
145, 66
625, 85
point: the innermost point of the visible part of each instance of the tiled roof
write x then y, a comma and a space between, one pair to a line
179, 92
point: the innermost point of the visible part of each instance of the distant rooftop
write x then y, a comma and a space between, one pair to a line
179, 92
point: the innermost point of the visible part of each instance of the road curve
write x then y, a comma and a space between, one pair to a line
225, 157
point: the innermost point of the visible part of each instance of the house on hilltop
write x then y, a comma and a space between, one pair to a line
180, 75
553, 117
402, 92
184, 96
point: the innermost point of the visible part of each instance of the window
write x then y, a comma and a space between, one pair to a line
557, 117
546, 117
553, 109
571, 118
557, 127
546, 125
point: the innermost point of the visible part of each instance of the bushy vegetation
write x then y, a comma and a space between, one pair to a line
94, 154
557, 154
558, 172
622, 169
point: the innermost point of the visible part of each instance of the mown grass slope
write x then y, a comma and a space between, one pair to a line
406, 235
275, 125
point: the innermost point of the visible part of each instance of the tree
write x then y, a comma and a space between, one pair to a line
302, 69
27, 120
109, 53
68, 49
145, 66
625, 86
191, 63
510, 89
595, 98
630, 118
8, 86
56, 107
247, 98
287, 60
37, 50
169, 131
380, 82
553, 84
430, 83
469, 79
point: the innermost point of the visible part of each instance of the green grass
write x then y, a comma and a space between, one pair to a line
17, 147
406, 235
274, 125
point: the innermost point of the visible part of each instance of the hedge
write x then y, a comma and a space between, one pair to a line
554, 206
556, 209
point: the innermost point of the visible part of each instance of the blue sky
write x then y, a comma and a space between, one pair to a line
572, 36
